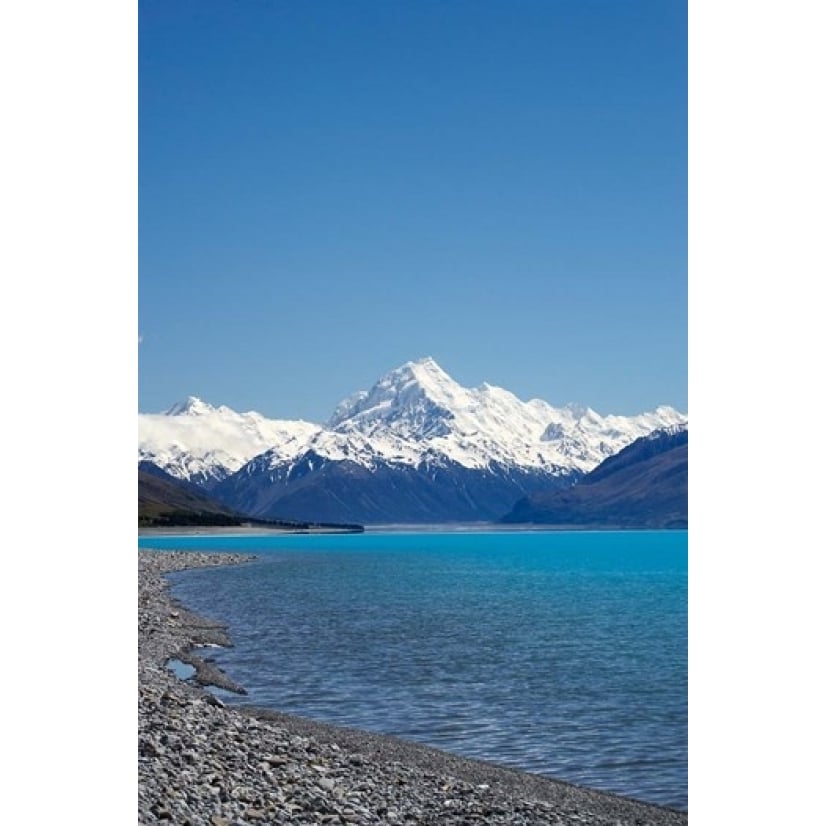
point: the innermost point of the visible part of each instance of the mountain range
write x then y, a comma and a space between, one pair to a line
645, 485
417, 447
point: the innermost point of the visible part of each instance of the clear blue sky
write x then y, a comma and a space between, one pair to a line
330, 189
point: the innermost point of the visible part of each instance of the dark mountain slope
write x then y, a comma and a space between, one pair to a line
645, 485
344, 491
164, 500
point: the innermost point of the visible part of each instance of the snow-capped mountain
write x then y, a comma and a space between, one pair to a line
203, 444
417, 446
418, 409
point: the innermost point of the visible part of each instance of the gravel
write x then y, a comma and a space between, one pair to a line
201, 762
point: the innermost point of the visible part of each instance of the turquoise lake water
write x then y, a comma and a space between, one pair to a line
563, 654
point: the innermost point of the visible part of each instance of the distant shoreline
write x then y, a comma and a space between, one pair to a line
448, 527
238, 530
507, 527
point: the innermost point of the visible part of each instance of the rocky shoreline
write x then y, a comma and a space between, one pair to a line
200, 762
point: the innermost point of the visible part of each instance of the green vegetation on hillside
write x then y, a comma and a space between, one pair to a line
166, 502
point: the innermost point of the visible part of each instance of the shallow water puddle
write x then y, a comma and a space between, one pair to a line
183, 671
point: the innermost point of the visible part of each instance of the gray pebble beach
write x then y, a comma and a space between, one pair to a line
201, 762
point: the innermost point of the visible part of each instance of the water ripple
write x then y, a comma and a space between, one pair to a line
563, 655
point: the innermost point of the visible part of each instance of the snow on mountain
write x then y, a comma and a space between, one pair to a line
418, 411
194, 440
414, 414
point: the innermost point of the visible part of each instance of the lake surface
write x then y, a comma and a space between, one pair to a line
563, 654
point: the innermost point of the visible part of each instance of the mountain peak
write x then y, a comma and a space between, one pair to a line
412, 400
416, 379
192, 406
426, 363
423, 369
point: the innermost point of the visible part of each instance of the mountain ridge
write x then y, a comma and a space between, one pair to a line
165, 501
416, 430
645, 485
